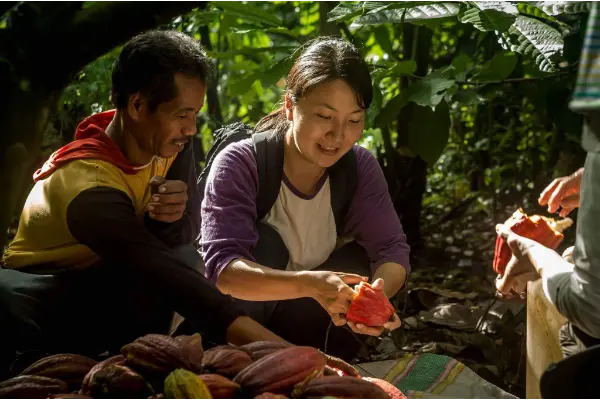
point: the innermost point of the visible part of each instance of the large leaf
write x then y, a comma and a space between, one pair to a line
489, 15
268, 76
429, 136
427, 92
345, 11
401, 68
420, 12
536, 40
248, 11
562, 7
501, 66
531, 10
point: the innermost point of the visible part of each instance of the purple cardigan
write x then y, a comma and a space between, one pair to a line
228, 229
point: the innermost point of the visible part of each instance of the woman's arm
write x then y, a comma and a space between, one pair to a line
374, 223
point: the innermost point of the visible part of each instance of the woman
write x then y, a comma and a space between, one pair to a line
280, 265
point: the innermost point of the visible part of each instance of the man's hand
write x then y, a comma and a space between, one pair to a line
169, 201
563, 193
520, 268
376, 331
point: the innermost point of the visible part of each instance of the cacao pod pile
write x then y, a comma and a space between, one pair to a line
543, 230
159, 366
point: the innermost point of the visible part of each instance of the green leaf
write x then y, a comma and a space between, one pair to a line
401, 68
375, 106
536, 40
428, 138
250, 51
382, 35
201, 18
501, 66
248, 12
429, 91
344, 12
267, 77
461, 63
421, 12
562, 7
489, 16
531, 10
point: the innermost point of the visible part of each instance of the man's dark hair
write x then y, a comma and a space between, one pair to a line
148, 64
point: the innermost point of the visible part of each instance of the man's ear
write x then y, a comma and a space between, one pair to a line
289, 108
137, 106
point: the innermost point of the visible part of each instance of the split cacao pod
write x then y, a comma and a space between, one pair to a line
219, 386
543, 230
279, 372
260, 349
347, 387
390, 389
192, 349
117, 381
31, 387
70, 368
369, 307
157, 355
184, 384
225, 360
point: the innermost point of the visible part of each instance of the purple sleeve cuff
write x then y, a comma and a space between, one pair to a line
228, 229
372, 219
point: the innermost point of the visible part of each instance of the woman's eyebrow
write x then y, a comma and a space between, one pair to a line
334, 109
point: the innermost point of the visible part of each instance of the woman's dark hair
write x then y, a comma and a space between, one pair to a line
323, 60
148, 64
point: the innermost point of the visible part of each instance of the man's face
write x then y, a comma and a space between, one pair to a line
172, 125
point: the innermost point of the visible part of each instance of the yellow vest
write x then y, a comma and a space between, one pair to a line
43, 236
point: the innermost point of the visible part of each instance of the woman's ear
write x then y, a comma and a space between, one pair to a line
289, 108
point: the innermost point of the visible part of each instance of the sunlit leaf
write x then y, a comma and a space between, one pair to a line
422, 12
489, 15
562, 7
536, 40
248, 11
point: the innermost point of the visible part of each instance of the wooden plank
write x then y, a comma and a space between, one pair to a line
543, 346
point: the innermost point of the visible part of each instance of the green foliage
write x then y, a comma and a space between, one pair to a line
489, 87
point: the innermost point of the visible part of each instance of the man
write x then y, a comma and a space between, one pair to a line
574, 288
97, 258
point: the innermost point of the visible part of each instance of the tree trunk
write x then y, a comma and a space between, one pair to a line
42, 48
327, 28
410, 171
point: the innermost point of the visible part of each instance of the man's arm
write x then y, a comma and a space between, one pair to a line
186, 229
104, 220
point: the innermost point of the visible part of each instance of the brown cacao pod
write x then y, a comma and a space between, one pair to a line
117, 381
279, 372
390, 389
347, 387
31, 387
69, 396
114, 360
225, 360
260, 349
70, 368
157, 355
192, 349
219, 386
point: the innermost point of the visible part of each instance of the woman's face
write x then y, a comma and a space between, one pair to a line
326, 122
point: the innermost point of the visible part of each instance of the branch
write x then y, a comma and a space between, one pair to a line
94, 31
5, 6
512, 80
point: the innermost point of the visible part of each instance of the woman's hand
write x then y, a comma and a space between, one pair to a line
331, 290
376, 331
